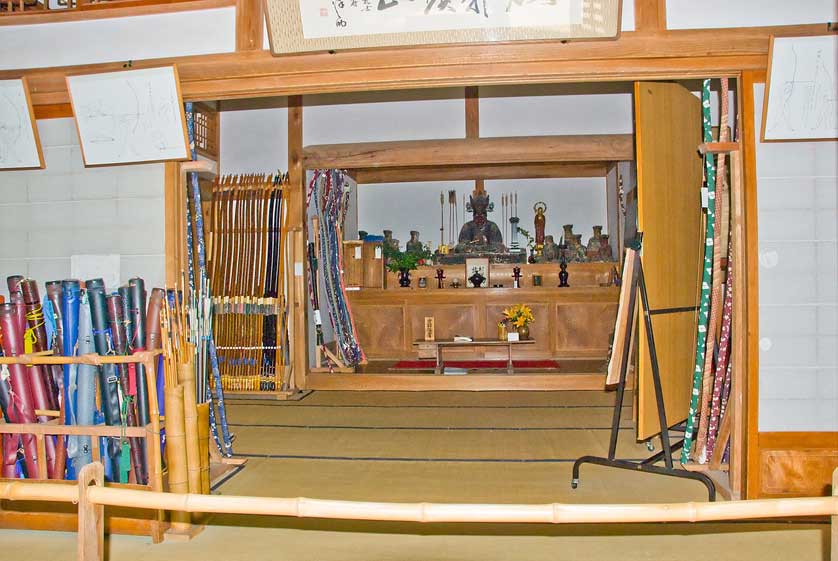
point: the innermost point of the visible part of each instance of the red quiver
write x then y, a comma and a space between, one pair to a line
37, 334
21, 409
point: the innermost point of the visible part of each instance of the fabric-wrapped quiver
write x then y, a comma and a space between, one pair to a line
108, 378
20, 409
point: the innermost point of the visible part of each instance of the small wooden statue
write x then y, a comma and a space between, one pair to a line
440, 276
516, 277
540, 221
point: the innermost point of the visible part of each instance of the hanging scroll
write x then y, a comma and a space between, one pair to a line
20, 147
318, 25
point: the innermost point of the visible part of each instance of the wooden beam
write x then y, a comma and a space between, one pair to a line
106, 10
718, 147
650, 16
453, 152
481, 172
675, 55
250, 20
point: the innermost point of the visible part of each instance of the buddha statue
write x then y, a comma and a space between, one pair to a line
480, 235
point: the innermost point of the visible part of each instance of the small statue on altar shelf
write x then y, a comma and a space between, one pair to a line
516, 277
440, 276
605, 249
577, 251
540, 221
414, 245
389, 240
563, 274
550, 251
480, 235
594, 245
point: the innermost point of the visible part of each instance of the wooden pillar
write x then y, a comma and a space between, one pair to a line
472, 97
175, 223
750, 278
91, 538
650, 16
835, 517
250, 17
296, 223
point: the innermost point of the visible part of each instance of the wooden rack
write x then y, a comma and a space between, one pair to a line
28, 516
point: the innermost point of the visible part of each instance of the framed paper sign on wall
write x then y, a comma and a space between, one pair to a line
20, 146
321, 25
130, 116
801, 98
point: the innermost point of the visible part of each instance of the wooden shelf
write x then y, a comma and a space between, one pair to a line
206, 169
718, 147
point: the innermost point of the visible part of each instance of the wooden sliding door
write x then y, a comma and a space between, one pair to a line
669, 175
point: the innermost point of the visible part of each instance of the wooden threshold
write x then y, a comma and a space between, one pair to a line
465, 151
468, 382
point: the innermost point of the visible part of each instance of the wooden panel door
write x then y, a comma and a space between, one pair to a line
669, 177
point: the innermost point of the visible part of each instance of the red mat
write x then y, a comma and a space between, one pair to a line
475, 364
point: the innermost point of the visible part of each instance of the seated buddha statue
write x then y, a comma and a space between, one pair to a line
480, 235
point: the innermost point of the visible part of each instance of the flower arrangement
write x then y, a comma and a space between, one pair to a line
519, 315
398, 260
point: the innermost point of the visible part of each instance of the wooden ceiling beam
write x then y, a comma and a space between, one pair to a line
470, 151
674, 54
482, 172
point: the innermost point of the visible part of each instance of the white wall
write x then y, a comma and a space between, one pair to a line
689, 14
556, 109
798, 280
48, 215
118, 39
382, 116
255, 140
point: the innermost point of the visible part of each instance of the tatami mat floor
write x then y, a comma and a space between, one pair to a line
504, 447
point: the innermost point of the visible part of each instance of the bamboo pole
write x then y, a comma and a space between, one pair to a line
204, 446
555, 513
175, 447
186, 377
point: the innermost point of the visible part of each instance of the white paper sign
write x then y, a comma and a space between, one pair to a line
802, 101
328, 18
19, 148
512, 336
130, 116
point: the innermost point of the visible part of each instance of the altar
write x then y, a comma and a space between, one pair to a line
573, 322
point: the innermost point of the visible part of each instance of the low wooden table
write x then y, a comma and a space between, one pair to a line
439, 345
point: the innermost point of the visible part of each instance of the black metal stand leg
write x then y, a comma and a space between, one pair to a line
665, 455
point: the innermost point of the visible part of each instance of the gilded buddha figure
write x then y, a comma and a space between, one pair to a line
480, 235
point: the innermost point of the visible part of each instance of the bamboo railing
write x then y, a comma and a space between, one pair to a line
92, 496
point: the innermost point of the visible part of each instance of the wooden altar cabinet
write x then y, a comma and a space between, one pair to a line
571, 322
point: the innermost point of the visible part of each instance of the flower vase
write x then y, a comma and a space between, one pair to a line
524, 332
502, 331
404, 278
